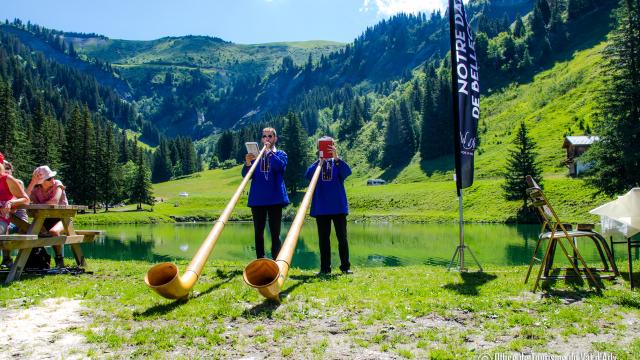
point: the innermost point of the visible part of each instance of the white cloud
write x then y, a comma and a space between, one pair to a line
391, 7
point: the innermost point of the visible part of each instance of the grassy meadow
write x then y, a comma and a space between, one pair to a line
391, 313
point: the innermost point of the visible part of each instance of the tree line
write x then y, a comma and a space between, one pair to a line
53, 115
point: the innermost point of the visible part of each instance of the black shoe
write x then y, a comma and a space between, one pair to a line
59, 261
7, 262
347, 272
323, 273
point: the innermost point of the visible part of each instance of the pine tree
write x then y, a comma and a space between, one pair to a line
428, 113
518, 28
537, 23
189, 159
407, 133
141, 192
224, 146
545, 10
46, 150
520, 163
161, 170
109, 173
80, 157
8, 119
616, 159
392, 138
296, 147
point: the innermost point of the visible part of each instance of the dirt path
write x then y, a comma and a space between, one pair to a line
43, 331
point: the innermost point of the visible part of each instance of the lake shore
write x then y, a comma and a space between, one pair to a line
411, 202
388, 313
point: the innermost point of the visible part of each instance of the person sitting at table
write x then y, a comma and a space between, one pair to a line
11, 195
45, 189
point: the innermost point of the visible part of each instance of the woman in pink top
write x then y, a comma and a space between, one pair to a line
44, 189
11, 195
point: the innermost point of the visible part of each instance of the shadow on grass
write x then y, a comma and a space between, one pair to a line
636, 279
267, 307
440, 164
575, 288
471, 282
162, 309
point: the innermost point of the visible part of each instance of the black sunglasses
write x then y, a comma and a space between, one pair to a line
265, 136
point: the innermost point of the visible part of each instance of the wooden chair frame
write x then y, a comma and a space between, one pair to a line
557, 231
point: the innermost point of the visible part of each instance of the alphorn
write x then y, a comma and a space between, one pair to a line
165, 278
268, 276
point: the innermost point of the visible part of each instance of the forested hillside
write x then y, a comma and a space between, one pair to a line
385, 97
383, 125
53, 114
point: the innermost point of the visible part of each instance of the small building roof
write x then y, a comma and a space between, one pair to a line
579, 141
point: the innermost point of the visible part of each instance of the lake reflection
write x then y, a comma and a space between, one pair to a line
369, 244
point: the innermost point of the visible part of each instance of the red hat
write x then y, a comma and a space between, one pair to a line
1, 158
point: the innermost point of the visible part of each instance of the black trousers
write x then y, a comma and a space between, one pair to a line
324, 233
260, 214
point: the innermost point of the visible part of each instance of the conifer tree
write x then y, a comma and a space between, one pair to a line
109, 172
392, 138
407, 132
296, 147
8, 119
518, 27
224, 146
545, 10
428, 113
521, 162
80, 157
161, 170
616, 158
141, 192
189, 159
46, 150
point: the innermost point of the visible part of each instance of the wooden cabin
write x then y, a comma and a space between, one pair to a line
576, 146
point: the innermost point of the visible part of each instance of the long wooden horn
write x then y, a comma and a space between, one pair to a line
266, 275
165, 278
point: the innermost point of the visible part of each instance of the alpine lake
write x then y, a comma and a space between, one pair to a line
370, 244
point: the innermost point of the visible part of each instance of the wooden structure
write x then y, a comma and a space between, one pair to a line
33, 235
556, 232
576, 146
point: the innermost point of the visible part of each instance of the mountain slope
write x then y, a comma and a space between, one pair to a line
103, 77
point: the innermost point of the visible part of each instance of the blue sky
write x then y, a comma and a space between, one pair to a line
240, 21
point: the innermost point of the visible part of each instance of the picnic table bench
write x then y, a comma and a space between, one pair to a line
33, 235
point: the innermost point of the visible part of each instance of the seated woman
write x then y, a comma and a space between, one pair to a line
11, 195
44, 189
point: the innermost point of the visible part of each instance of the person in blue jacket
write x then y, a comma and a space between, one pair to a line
267, 195
330, 204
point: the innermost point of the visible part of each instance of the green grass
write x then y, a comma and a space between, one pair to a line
424, 201
413, 312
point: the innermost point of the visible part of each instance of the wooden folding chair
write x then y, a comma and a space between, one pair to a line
555, 232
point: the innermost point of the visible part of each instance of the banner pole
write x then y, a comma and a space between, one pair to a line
460, 211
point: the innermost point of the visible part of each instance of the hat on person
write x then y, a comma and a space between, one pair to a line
1, 158
42, 173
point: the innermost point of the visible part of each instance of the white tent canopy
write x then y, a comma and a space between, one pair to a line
621, 215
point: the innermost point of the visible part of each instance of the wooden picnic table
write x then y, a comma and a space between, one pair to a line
33, 235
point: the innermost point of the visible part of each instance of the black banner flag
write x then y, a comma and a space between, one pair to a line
465, 86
